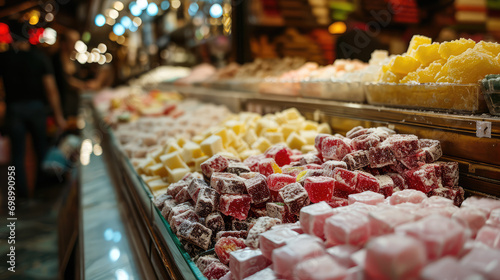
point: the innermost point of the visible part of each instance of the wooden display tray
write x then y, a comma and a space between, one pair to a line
439, 97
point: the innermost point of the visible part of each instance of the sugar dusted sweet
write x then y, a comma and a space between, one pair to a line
246, 262
365, 141
384, 221
334, 148
195, 233
288, 256
237, 168
262, 225
423, 179
257, 188
236, 205
195, 186
268, 166
227, 183
226, 245
366, 197
431, 148
381, 155
403, 145
345, 180
408, 195
295, 197
322, 267
273, 239
215, 270
356, 160
281, 154
367, 182
277, 181
347, 228
207, 202
312, 218
216, 163
215, 222
319, 188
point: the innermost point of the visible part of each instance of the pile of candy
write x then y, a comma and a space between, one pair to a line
406, 236
459, 61
231, 203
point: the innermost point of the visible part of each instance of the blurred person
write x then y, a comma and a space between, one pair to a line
28, 81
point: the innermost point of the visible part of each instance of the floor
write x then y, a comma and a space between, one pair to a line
36, 234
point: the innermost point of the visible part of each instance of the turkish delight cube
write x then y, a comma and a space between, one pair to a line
367, 182
441, 236
381, 156
194, 188
345, 180
312, 218
334, 148
226, 245
243, 224
160, 200
249, 175
432, 149
277, 181
394, 257
408, 195
366, 197
265, 274
318, 140
178, 209
262, 225
356, 160
484, 204
403, 145
183, 195
384, 221
276, 210
323, 267
494, 219
291, 170
207, 202
177, 220
168, 204
273, 239
215, 270
215, 222
365, 141
489, 236
301, 178
216, 163
257, 189
423, 179
413, 161
204, 261
347, 228
330, 165
448, 268
174, 188
253, 162
275, 196
281, 154
484, 261
295, 197
227, 183
449, 173
268, 166
246, 262
471, 218
288, 256
357, 131
258, 210
338, 202
398, 180
237, 168
310, 158
342, 254
437, 201
195, 233
319, 188
235, 205
233, 233
386, 185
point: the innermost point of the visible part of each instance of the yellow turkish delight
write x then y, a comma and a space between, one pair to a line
455, 47
404, 64
416, 41
428, 53
488, 48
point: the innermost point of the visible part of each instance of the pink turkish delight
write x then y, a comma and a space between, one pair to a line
484, 204
277, 181
448, 268
494, 219
489, 236
319, 188
226, 245
216, 163
367, 197
312, 218
280, 154
295, 197
408, 195
334, 148
367, 182
342, 254
257, 189
384, 221
246, 262
394, 257
236, 205
381, 156
265, 274
484, 261
365, 141
471, 218
266, 166
215, 270
347, 228
273, 239
437, 201
207, 202
319, 268
227, 183
287, 257
441, 236
262, 225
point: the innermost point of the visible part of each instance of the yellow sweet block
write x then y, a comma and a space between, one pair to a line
191, 151
295, 141
324, 128
416, 41
291, 114
236, 126
231, 138
173, 161
250, 136
297, 123
181, 141
390, 77
455, 47
412, 77
404, 65
261, 144
212, 145
191, 167
287, 129
310, 125
141, 168
198, 139
233, 152
301, 174
274, 137
266, 125
309, 136
172, 147
158, 170
148, 179
198, 162
488, 48
136, 162
243, 147
156, 154
426, 54
222, 132
177, 174
308, 148
280, 118
246, 154
157, 185
428, 74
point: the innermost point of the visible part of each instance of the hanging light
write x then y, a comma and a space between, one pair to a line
152, 9
100, 20
216, 10
118, 29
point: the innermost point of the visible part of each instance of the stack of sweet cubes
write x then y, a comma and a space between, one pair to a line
232, 204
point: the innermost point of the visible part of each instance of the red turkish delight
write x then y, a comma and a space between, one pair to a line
367, 182
366, 197
381, 156
195, 186
246, 262
262, 225
174, 188
423, 179
345, 180
365, 141
236, 205
403, 145
319, 188
226, 245
323, 267
356, 160
280, 154
216, 163
195, 233
227, 183
347, 228
394, 257
277, 181
312, 218
330, 165
413, 161
357, 131
291, 170
441, 236
334, 148
183, 195
338, 202
237, 168
253, 162
295, 197
449, 173
257, 189
431, 148
318, 141
275, 196
267, 167
408, 195
215, 270
386, 185
398, 180
273, 239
